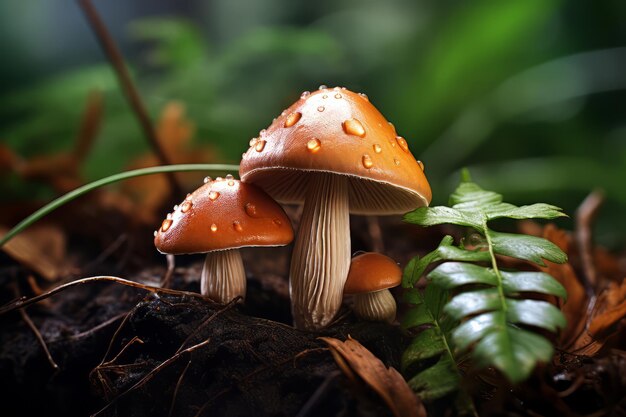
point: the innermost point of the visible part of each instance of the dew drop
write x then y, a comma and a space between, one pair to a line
337, 88
253, 141
364, 96
353, 127
322, 87
321, 108
277, 222
402, 143
175, 207
155, 233
237, 226
243, 155
392, 126
167, 223
262, 132
396, 161
338, 95
305, 94
186, 206
169, 216
367, 161
292, 119
213, 195
377, 148
229, 176
206, 179
188, 196
313, 145
283, 113
250, 209
214, 227
421, 164
260, 145
219, 179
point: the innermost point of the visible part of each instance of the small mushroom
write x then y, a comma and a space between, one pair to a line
217, 219
370, 277
334, 152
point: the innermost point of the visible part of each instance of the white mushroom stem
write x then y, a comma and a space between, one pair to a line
321, 255
375, 306
223, 277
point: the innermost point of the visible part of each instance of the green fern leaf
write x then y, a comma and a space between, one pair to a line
493, 315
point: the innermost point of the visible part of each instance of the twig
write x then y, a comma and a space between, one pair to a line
178, 384
36, 332
23, 302
585, 216
153, 372
317, 395
93, 329
130, 91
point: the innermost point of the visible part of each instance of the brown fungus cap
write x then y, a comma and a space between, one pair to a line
224, 214
372, 272
341, 132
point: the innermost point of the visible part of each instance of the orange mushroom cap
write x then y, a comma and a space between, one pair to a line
341, 132
372, 272
224, 214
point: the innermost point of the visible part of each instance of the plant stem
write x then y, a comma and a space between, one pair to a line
64, 199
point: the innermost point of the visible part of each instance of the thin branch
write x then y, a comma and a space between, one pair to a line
23, 302
130, 91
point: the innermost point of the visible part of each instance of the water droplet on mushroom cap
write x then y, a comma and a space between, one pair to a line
354, 127
260, 145
250, 209
186, 206
292, 119
313, 145
402, 143
214, 227
321, 109
305, 94
421, 164
167, 223
338, 95
206, 179
367, 161
237, 226
213, 195
377, 148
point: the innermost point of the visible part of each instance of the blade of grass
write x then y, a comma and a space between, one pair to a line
64, 199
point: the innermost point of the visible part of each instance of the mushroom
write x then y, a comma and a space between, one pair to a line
217, 219
335, 152
370, 277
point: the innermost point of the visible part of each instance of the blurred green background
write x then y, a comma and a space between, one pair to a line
529, 94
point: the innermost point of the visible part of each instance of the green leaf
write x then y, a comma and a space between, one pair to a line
425, 345
491, 303
539, 282
529, 248
454, 274
534, 211
513, 351
436, 381
444, 252
473, 302
430, 216
535, 313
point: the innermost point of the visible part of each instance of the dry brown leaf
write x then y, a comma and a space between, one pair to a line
387, 382
610, 309
40, 248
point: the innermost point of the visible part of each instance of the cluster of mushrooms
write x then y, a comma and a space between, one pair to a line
334, 152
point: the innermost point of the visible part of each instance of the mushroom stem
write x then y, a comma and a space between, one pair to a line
375, 306
321, 255
223, 276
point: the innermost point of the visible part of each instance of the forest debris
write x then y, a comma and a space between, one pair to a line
609, 309
41, 249
352, 357
585, 215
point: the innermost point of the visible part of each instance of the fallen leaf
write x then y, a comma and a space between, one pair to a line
351, 356
610, 309
40, 248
